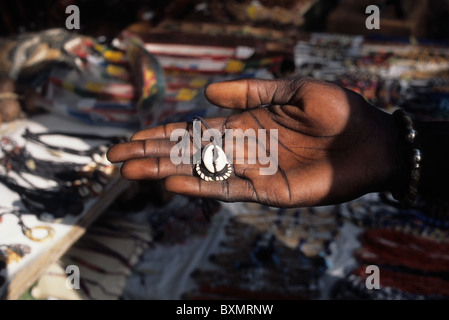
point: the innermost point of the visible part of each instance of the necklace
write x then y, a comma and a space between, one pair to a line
101, 149
214, 165
30, 232
58, 203
75, 182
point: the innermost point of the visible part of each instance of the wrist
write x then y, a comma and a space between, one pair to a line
396, 165
388, 153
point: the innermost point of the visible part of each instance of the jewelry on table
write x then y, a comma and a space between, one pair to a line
75, 182
36, 137
30, 232
13, 252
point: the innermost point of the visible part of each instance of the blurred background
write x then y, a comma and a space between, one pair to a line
136, 64
105, 19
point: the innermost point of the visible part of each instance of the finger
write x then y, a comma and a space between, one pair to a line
168, 144
160, 132
142, 149
232, 189
252, 93
153, 168
175, 129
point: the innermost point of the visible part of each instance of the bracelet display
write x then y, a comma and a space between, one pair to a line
406, 194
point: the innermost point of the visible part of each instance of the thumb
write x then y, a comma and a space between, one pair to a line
253, 93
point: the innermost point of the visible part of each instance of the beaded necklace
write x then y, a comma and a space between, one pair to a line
36, 137
398, 249
381, 212
395, 285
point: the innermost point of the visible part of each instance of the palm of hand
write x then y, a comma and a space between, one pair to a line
328, 140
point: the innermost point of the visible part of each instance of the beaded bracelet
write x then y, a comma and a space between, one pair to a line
406, 194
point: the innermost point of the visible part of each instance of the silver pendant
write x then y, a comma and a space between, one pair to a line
214, 165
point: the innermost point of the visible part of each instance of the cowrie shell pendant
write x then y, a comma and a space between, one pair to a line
214, 165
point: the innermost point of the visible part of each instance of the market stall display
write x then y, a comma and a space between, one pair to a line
65, 98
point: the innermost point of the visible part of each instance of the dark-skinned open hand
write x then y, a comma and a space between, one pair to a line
332, 145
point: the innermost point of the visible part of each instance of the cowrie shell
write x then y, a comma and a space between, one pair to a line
214, 158
214, 165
